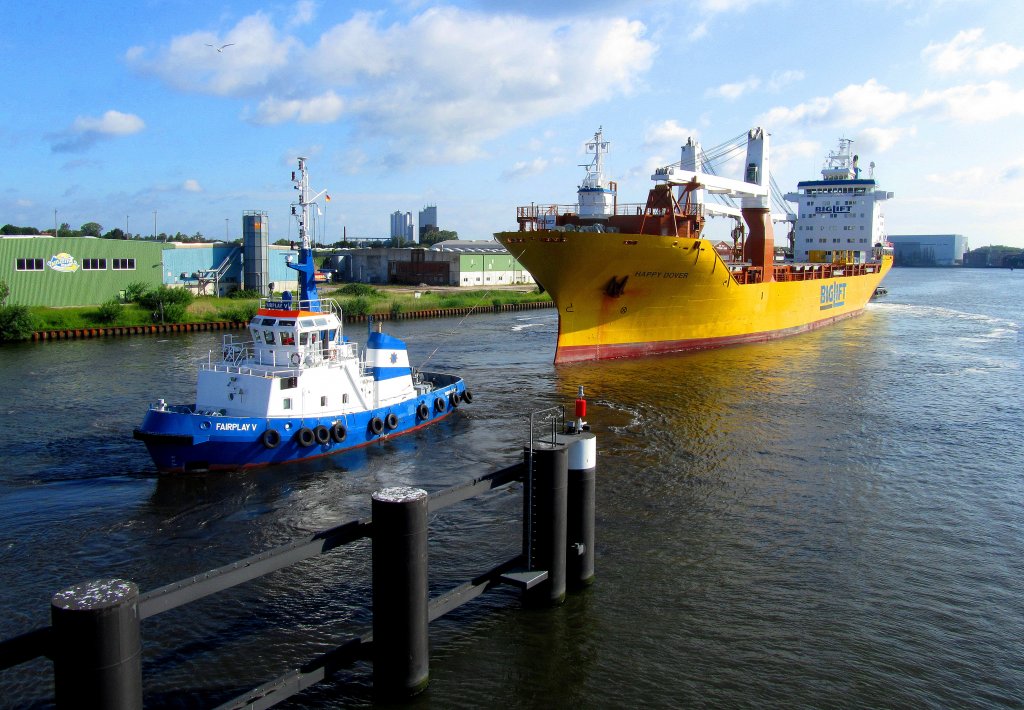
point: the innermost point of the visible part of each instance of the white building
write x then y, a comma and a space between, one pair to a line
401, 226
842, 212
929, 249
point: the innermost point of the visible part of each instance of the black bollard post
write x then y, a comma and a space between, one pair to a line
581, 504
544, 521
401, 661
97, 647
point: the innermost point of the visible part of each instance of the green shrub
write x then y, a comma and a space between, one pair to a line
133, 291
358, 290
15, 323
356, 307
242, 313
396, 308
244, 293
166, 296
110, 311
173, 313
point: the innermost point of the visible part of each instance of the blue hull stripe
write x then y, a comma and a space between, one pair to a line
387, 373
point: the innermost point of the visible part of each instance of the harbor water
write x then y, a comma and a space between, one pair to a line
830, 520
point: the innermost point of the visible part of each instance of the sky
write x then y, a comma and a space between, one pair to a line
185, 115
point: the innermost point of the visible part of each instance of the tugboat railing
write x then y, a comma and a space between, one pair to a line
242, 357
326, 305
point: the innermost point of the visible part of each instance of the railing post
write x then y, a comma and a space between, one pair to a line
97, 647
581, 505
545, 520
401, 661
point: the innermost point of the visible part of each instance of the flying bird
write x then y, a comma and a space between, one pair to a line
221, 48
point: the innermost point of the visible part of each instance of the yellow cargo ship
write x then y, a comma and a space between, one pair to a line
632, 280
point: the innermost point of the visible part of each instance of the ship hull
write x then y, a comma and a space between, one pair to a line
625, 295
180, 439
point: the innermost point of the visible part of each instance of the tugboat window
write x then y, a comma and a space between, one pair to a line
269, 334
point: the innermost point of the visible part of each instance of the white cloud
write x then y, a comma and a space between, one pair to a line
974, 103
879, 140
85, 131
733, 91
873, 103
785, 153
111, 123
667, 133
440, 85
966, 53
191, 186
523, 169
258, 57
325, 108
782, 79
305, 11
970, 177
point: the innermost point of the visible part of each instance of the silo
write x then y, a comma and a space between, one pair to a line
256, 251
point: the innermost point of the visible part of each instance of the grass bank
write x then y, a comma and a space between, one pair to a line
354, 299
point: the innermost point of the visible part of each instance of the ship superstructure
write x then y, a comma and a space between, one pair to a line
841, 214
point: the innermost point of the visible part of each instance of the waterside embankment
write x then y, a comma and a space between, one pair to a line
158, 328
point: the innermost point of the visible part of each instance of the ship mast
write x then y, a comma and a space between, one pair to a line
595, 170
309, 297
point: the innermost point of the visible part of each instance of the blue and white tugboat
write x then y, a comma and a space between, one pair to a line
298, 389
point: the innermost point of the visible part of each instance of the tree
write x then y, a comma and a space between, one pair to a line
11, 229
115, 233
438, 235
91, 229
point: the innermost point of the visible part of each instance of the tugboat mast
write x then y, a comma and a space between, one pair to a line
309, 297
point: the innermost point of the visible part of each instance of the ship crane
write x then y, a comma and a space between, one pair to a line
753, 190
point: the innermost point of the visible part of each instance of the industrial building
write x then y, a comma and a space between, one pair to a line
454, 262
929, 249
401, 226
81, 271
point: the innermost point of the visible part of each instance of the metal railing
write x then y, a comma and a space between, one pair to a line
104, 616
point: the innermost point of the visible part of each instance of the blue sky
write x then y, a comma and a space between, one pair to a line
115, 111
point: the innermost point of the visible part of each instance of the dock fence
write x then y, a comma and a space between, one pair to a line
95, 637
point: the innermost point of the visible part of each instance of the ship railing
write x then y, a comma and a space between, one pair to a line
534, 217
241, 357
326, 305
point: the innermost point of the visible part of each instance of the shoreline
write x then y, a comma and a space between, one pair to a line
125, 330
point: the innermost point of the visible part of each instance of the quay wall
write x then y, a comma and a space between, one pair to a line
123, 330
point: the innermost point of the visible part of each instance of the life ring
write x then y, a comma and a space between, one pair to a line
271, 438
376, 425
453, 398
305, 436
295, 359
391, 421
338, 432
322, 434
467, 397
423, 411
439, 405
